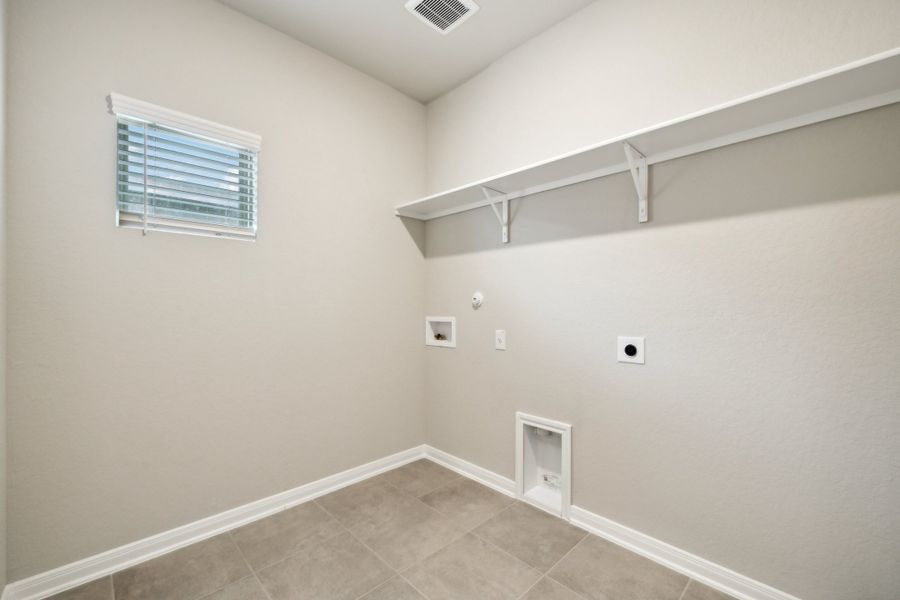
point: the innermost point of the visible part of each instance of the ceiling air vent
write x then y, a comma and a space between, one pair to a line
443, 15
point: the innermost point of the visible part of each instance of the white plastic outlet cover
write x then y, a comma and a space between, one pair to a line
630, 349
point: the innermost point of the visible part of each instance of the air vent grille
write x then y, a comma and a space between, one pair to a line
442, 15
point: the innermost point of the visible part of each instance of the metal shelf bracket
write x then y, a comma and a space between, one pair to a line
496, 197
637, 162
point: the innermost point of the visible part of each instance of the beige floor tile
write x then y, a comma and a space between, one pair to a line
471, 568
698, 591
395, 589
532, 535
297, 529
409, 532
467, 502
188, 573
547, 589
247, 588
339, 569
419, 477
370, 501
100, 589
600, 570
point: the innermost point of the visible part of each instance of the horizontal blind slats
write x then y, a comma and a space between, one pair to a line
185, 157
191, 183
137, 159
177, 139
137, 198
173, 183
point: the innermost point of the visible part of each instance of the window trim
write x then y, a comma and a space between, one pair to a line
138, 110
131, 109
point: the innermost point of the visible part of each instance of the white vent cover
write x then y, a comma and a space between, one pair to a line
442, 15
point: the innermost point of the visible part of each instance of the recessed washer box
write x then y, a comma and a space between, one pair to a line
544, 463
440, 331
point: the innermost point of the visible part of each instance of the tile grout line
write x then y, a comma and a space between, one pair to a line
553, 566
483, 521
249, 566
366, 546
413, 586
443, 485
435, 511
686, 586
397, 573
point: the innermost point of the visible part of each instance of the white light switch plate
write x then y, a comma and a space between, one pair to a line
500, 339
638, 349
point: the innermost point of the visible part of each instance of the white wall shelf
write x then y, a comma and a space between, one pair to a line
858, 86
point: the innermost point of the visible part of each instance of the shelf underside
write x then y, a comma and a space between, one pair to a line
853, 88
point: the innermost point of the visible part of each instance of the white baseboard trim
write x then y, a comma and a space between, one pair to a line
52, 582
700, 569
472, 471
714, 575
74, 574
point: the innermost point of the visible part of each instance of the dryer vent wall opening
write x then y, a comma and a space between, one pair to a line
442, 15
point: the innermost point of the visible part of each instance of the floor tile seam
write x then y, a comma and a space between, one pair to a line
394, 571
289, 554
531, 587
564, 556
448, 518
249, 566
492, 515
443, 516
412, 585
513, 556
480, 523
686, 586
446, 483
543, 573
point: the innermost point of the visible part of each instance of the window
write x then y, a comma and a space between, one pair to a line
182, 174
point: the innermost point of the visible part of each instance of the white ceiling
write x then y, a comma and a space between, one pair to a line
383, 39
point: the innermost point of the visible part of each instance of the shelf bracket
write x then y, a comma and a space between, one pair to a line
496, 197
640, 171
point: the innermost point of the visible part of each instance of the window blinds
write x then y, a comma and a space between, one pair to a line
174, 181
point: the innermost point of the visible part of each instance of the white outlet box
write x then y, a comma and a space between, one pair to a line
630, 349
500, 339
440, 331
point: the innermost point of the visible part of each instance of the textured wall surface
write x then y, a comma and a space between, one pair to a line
3, 37
618, 66
762, 432
158, 380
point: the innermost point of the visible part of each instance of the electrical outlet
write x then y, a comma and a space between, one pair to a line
500, 339
631, 350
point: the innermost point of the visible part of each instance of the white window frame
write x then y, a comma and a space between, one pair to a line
131, 109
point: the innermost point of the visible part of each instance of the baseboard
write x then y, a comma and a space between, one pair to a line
483, 476
700, 569
707, 572
74, 574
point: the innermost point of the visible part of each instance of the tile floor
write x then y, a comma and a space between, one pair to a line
419, 532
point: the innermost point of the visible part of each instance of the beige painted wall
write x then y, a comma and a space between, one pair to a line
154, 381
618, 65
2, 293
762, 432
